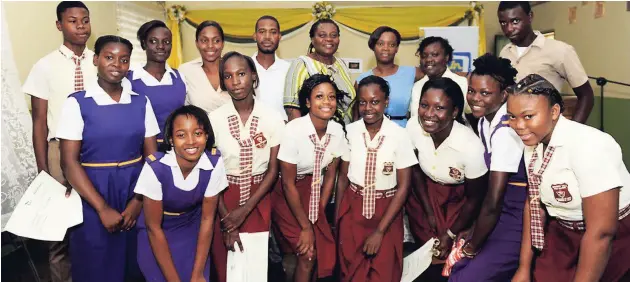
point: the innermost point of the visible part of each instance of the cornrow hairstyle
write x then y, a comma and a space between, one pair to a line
310, 84
534, 84
452, 91
190, 111
65, 5
250, 64
105, 39
376, 35
448, 49
205, 24
311, 32
499, 69
143, 31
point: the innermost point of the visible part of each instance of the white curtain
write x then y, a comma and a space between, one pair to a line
18, 160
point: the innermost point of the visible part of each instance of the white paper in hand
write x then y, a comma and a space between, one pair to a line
44, 212
417, 262
251, 265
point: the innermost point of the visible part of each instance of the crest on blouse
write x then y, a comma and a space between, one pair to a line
561, 193
388, 168
456, 174
259, 140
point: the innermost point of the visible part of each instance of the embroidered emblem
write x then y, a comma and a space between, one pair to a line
388, 168
259, 140
561, 192
456, 174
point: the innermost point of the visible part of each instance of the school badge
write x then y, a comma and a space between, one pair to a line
388, 168
561, 192
455, 174
259, 140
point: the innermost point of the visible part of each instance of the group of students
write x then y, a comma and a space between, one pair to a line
175, 166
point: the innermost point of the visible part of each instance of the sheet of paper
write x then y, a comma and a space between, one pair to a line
248, 266
417, 262
44, 212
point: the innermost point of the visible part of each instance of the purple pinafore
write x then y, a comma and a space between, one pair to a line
180, 223
164, 98
497, 261
111, 154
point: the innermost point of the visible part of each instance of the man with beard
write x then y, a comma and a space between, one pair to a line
54, 77
272, 70
532, 53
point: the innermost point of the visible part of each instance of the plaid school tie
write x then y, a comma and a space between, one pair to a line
369, 195
316, 182
536, 212
246, 156
78, 74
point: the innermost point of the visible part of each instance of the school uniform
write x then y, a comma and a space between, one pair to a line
166, 95
53, 78
245, 149
458, 158
161, 179
112, 136
311, 155
498, 257
579, 162
373, 183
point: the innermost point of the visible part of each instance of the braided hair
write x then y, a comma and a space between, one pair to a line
534, 84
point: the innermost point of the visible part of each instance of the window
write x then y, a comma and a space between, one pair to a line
129, 17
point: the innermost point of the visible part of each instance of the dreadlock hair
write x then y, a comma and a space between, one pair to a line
307, 88
534, 84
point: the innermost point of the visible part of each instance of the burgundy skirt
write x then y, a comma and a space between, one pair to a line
354, 229
559, 258
446, 201
290, 229
258, 220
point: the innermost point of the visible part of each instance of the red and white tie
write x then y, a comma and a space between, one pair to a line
537, 216
78, 74
316, 182
369, 187
246, 155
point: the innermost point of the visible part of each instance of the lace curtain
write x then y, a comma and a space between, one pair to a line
18, 160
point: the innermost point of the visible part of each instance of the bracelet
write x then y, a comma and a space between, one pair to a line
466, 254
450, 234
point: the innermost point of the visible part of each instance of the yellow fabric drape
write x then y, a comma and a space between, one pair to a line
239, 23
404, 19
176, 51
482, 30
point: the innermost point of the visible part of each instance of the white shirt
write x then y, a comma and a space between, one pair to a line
52, 79
506, 147
149, 80
271, 84
149, 185
200, 91
70, 125
270, 124
416, 91
521, 50
459, 157
586, 162
396, 149
296, 146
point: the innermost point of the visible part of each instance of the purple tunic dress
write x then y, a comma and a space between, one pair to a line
111, 134
164, 98
497, 260
181, 230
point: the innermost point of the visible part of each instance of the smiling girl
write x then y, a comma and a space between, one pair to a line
248, 134
577, 173
180, 187
104, 132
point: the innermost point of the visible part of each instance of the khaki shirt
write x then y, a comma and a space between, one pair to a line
554, 60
